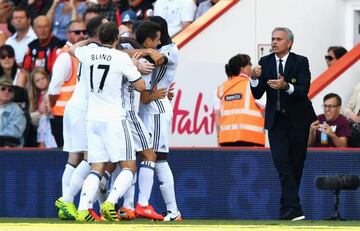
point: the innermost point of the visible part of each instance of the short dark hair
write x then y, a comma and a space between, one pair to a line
93, 25
108, 33
232, 68
91, 10
338, 51
21, 8
72, 22
146, 30
333, 95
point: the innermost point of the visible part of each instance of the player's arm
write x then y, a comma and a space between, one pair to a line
77, 45
157, 57
139, 85
132, 42
151, 95
60, 74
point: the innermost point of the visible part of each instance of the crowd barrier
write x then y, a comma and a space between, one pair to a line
210, 183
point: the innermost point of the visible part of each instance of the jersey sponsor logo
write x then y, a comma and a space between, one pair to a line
233, 97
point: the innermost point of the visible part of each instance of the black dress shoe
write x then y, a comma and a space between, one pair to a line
293, 215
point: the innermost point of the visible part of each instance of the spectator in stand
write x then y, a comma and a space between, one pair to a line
352, 113
178, 14
42, 52
142, 8
331, 129
36, 7
204, 6
90, 13
108, 9
61, 13
24, 35
127, 19
334, 53
39, 102
12, 119
6, 8
246, 127
64, 78
40, 108
10, 69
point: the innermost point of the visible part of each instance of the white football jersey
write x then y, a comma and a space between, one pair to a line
79, 98
161, 77
107, 69
128, 92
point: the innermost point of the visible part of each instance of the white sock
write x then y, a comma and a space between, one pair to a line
103, 188
68, 171
167, 189
121, 184
146, 181
89, 189
76, 181
129, 195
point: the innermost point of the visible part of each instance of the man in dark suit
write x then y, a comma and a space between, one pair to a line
285, 77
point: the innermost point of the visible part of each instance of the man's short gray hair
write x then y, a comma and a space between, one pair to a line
289, 33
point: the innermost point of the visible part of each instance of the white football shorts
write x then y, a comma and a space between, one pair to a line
74, 130
159, 126
140, 134
110, 141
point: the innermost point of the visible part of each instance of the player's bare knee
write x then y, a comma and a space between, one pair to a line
99, 167
148, 155
130, 164
75, 158
110, 168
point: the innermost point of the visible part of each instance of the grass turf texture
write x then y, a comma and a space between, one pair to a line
35, 224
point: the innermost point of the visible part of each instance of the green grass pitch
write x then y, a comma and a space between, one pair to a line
35, 224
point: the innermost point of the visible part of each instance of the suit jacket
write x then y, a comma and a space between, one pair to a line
296, 106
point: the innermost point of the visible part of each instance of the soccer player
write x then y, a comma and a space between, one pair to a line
148, 34
75, 137
109, 137
157, 116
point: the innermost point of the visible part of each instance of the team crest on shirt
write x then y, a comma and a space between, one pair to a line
293, 80
233, 97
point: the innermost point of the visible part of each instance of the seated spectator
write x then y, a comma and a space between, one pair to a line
127, 19
331, 129
90, 13
107, 9
24, 34
9, 67
142, 8
61, 13
178, 14
334, 53
245, 127
36, 7
42, 52
204, 6
6, 8
39, 101
12, 119
40, 110
352, 113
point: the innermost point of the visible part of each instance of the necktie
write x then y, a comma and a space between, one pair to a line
281, 72
281, 68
